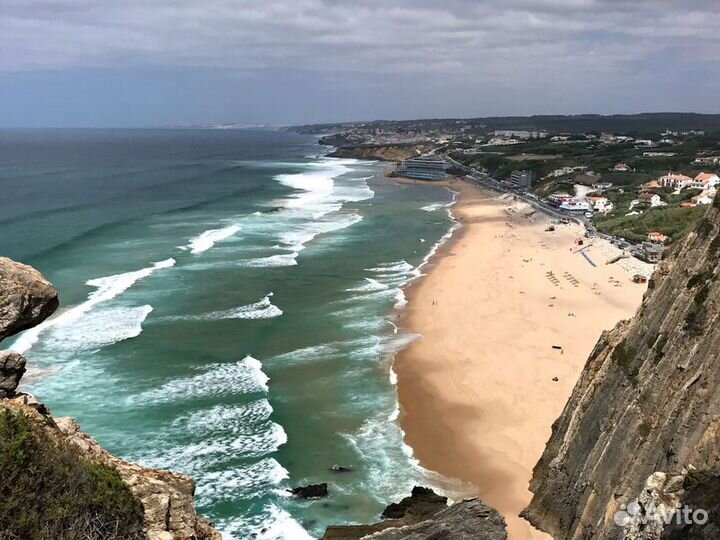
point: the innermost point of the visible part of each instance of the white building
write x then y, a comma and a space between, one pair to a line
674, 180
705, 181
653, 199
706, 197
575, 205
600, 204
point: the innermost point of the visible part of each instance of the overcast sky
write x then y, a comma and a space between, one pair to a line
159, 62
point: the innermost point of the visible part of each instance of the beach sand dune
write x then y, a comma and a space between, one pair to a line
508, 314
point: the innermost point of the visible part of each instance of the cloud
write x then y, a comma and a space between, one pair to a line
365, 35
314, 60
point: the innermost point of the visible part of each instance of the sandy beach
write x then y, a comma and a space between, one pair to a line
481, 388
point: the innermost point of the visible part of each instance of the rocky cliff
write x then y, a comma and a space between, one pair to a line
426, 516
381, 152
643, 423
26, 299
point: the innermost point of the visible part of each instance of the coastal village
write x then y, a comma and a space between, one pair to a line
642, 188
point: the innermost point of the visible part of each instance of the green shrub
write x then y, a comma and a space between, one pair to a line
624, 356
695, 320
697, 279
49, 492
705, 228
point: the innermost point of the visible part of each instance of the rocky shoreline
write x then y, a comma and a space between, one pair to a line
27, 299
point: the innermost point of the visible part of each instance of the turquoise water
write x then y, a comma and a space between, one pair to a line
227, 311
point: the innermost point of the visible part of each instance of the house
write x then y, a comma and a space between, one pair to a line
602, 185
621, 167
558, 198
657, 237
647, 197
705, 181
707, 160
706, 197
674, 180
652, 252
600, 204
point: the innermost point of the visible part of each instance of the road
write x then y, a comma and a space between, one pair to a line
483, 179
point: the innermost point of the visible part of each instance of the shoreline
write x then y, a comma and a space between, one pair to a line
478, 391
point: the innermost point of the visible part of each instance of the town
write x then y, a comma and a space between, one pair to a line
641, 181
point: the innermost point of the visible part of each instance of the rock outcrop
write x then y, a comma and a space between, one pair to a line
12, 368
466, 520
647, 401
313, 491
422, 503
425, 516
26, 299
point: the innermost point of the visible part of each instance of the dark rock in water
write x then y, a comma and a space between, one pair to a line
27, 298
422, 503
313, 491
341, 469
12, 368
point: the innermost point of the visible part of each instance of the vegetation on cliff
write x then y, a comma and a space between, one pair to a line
49, 492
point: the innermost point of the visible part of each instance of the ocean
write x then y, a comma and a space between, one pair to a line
228, 309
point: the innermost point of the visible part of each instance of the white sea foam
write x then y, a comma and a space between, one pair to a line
226, 418
282, 526
220, 447
370, 285
273, 261
243, 377
379, 444
207, 239
106, 288
246, 482
398, 267
299, 235
433, 207
105, 327
262, 309
273, 523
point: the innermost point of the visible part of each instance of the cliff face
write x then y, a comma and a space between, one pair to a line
26, 299
646, 408
396, 152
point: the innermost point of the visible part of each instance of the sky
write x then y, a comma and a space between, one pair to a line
109, 63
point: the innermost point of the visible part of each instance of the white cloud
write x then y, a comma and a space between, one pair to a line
367, 35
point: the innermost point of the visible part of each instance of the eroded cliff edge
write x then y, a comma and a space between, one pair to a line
647, 402
168, 511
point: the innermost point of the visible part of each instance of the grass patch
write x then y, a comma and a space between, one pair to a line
674, 222
48, 492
